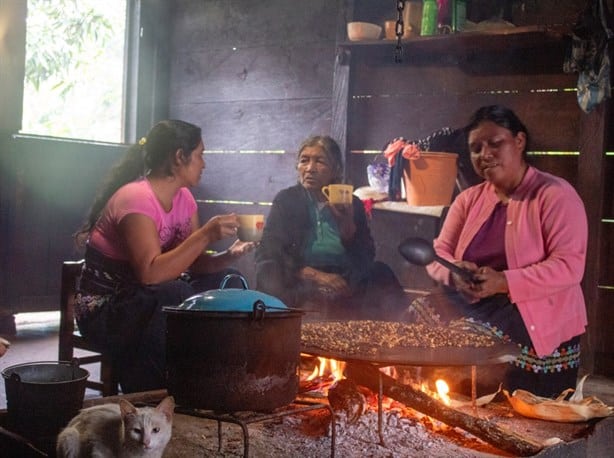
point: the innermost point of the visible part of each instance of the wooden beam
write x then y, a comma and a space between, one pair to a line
341, 83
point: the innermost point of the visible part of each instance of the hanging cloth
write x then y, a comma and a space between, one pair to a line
399, 150
589, 55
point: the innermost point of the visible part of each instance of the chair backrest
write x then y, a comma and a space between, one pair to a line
70, 273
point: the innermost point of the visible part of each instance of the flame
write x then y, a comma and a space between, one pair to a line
314, 374
390, 371
442, 393
324, 375
329, 368
442, 390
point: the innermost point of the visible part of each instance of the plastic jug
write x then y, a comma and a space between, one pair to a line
429, 18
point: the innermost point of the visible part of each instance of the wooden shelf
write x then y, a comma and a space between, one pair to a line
518, 37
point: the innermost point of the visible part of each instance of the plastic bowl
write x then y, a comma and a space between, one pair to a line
363, 31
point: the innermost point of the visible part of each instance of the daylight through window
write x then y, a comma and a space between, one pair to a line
74, 76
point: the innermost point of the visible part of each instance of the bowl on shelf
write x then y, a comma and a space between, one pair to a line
363, 31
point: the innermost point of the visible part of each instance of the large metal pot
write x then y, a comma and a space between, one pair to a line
233, 349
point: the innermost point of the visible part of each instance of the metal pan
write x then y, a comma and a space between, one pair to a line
420, 356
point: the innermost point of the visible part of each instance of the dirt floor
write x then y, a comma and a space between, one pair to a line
404, 434
308, 435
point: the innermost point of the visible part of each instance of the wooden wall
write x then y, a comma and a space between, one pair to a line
257, 76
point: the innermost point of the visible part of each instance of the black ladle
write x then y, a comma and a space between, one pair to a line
420, 252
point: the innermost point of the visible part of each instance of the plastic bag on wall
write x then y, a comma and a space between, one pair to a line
589, 55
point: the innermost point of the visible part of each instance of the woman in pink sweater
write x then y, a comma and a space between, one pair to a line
523, 233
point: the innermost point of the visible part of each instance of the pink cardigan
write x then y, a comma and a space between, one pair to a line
545, 247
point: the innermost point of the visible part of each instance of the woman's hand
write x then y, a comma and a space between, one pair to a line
221, 226
344, 215
489, 282
239, 248
328, 284
462, 284
4, 346
486, 281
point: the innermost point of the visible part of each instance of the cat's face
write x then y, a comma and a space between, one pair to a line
147, 429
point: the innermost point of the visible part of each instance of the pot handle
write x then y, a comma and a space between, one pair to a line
230, 276
259, 309
18, 393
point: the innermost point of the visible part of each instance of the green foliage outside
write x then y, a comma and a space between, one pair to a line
74, 72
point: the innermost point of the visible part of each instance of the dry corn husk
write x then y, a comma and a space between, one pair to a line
577, 408
479, 402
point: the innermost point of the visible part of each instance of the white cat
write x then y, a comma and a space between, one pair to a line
118, 430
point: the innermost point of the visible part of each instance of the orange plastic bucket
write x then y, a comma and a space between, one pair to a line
430, 179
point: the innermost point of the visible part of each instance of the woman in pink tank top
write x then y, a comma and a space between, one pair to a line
145, 249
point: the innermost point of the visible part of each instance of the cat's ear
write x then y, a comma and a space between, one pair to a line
126, 408
167, 407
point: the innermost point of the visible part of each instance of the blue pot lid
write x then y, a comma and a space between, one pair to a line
232, 300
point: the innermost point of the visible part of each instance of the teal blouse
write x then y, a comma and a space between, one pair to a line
324, 247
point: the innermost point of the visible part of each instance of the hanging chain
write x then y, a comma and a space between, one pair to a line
398, 51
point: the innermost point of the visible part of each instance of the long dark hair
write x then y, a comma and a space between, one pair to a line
332, 151
503, 117
153, 153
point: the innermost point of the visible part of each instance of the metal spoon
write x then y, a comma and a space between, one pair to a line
420, 252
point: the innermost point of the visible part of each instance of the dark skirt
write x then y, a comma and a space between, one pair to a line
377, 295
128, 321
547, 376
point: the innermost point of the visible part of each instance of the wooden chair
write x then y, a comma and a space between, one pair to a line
70, 338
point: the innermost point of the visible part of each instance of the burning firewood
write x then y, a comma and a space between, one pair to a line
369, 376
345, 396
577, 408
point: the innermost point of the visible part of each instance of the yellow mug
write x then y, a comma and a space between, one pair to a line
338, 194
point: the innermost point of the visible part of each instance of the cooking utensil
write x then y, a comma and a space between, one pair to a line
233, 349
231, 299
420, 252
419, 356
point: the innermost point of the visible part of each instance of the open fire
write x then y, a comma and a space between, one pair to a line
358, 408
329, 371
324, 374
352, 391
397, 367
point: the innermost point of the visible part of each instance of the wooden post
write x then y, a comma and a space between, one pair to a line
591, 165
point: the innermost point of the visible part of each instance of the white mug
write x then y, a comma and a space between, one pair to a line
250, 227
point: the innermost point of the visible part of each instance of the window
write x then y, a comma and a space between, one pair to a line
74, 78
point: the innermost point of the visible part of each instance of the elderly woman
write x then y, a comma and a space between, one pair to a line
143, 237
523, 234
319, 255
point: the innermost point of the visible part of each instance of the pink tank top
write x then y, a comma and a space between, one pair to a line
137, 197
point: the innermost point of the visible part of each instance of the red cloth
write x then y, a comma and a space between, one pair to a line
408, 150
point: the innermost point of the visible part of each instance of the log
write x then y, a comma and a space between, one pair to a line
368, 375
145, 397
346, 397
